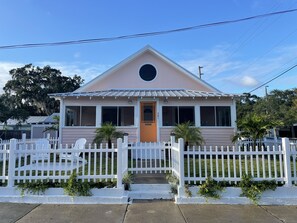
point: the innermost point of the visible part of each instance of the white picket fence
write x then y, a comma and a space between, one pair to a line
230, 164
100, 163
95, 164
4, 144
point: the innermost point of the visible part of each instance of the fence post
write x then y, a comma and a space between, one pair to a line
125, 153
24, 138
181, 162
287, 161
181, 167
119, 164
125, 140
172, 140
48, 136
11, 162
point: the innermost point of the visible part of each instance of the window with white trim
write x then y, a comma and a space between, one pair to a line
118, 115
80, 116
173, 115
215, 115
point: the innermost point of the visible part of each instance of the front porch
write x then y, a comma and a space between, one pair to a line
147, 115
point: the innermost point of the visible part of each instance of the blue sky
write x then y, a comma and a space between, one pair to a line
236, 58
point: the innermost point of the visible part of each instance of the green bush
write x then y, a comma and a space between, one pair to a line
210, 189
75, 187
254, 189
37, 187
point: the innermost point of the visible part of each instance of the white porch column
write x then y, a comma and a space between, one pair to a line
233, 115
137, 119
98, 115
197, 116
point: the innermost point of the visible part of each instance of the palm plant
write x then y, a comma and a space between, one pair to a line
107, 133
190, 134
255, 127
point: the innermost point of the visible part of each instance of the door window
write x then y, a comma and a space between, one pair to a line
148, 113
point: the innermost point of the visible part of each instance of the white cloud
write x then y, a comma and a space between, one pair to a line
249, 81
5, 67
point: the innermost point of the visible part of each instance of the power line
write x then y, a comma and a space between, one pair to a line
252, 33
141, 35
281, 74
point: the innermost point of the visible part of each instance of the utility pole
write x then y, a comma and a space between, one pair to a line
200, 72
266, 93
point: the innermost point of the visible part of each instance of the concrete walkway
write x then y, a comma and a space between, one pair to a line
146, 212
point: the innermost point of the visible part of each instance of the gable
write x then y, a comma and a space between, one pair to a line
126, 75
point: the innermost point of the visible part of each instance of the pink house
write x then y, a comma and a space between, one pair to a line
146, 95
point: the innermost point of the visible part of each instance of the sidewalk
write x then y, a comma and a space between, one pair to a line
145, 212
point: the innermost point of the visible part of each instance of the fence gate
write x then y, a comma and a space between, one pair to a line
152, 157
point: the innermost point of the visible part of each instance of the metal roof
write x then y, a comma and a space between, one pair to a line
148, 93
32, 120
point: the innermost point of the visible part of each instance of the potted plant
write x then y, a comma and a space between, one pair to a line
127, 180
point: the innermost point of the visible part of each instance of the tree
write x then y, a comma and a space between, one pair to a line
276, 106
107, 133
190, 134
292, 113
246, 104
255, 127
29, 88
279, 107
4, 109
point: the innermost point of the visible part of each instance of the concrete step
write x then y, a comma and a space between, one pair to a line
150, 191
150, 178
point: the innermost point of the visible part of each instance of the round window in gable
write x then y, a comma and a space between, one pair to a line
147, 72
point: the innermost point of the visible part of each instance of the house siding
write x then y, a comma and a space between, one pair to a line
167, 77
212, 136
131, 131
165, 134
70, 135
217, 136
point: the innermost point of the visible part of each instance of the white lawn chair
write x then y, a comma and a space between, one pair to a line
41, 144
75, 156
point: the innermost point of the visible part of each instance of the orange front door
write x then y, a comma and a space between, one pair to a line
148, 124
